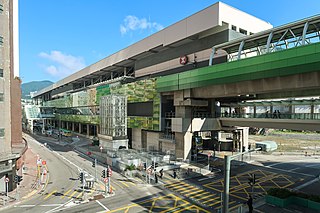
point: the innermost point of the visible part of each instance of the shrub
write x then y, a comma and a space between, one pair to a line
130, 167
285, 193
279, 192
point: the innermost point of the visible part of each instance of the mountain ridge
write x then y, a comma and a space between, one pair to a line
33, 86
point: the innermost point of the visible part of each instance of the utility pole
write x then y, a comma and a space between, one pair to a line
95, 169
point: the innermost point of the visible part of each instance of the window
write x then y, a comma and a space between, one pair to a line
1, 97
1, 8
242, 31
233, 28
1, 73
1, 132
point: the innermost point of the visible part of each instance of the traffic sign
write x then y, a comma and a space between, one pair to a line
7, 180
39, 161
106, 180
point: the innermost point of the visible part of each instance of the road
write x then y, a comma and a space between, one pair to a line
203, 194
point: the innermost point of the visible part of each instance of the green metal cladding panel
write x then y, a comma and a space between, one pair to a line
282, 63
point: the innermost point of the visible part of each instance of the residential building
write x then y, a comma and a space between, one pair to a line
12, 145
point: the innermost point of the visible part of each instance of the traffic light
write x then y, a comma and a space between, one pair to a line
252, 179
81, 177
103, 173
19, 179
94, 163
144, 166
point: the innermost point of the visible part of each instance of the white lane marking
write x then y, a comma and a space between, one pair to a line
25, 206
274, 164
314, 165
307, 184
103, 206
64, 158
58, 207
206, 178
48, 205
283, 170
294, 169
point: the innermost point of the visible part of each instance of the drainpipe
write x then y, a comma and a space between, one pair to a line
211, 56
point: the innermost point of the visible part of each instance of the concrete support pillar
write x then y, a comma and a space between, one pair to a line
291, 111
88, 130
183, 145
312, 111
72, 126
255, 111
184, 139
80, 128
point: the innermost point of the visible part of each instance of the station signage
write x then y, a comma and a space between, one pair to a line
183, 60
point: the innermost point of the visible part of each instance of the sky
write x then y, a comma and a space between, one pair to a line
60, 37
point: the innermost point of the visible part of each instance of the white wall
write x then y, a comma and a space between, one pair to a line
240, 19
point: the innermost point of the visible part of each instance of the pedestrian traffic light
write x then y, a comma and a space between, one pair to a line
19, 179
103, 173
16, 178
94, 163
109, 172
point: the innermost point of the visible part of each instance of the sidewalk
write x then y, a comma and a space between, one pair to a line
28, 185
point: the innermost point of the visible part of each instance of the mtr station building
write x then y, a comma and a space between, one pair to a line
186, 86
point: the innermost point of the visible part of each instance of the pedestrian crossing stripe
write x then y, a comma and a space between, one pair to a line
212, 199
123, 184
66, 193
50, 194
79, 195
202, 198
181, 187
200, 194
193, 192
71, 195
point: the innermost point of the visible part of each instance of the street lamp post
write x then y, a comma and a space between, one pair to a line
227, 163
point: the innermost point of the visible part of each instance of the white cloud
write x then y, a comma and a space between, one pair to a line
134, 23
64, 64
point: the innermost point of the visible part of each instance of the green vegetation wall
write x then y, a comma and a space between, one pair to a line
140, 91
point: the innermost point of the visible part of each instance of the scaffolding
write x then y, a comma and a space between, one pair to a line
113, 115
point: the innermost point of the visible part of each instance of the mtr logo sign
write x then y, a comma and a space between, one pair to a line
183, 60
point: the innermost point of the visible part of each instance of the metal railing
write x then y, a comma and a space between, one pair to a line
169, 137
303, 116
